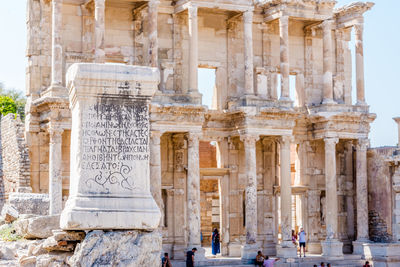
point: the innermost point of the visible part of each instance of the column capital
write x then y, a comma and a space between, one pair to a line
362, 144
358, 28
331, 141
192, 10
154, 3
285, 139
55, 133
327, 25
100, 3
249, 139
248, 16
193, 137
284, 19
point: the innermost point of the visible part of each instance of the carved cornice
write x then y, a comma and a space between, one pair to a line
352, 9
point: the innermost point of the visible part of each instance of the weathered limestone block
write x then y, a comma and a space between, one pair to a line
38, 226
9, 213
110, 182
119, 248
28, 203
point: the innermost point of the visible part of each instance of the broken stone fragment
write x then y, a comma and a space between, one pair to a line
27, 261
60, 235
9, 213
38, 226
50, 244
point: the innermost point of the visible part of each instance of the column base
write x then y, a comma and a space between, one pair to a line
234, 250
286, 250
358, 247
332, 249
55, 91
249, 251
361, 103
195, 97
327, 101
285, 102
314, 247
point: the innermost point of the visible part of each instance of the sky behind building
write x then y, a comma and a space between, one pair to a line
381, 54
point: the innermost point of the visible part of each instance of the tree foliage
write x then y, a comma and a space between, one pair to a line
12, 101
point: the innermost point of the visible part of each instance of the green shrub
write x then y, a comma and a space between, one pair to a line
7, 105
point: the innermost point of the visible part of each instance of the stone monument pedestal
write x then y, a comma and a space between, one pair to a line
286, 250
110, 178
332, 249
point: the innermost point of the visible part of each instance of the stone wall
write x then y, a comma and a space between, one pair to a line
2, 192
379, 196
16, 171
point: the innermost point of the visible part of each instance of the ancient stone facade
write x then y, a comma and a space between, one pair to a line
15, 157
290, 142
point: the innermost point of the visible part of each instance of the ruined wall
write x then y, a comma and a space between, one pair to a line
16, 164
379, 195
207, 154
2, 192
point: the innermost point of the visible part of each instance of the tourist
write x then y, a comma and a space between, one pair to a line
260, 259
190, 257
328, 265
315, 265
166, 262
269, 262
367, 264
294, 238
215, 239
302, 241
322, 264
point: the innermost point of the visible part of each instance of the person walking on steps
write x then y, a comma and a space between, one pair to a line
302, 241
215, 242
190, 257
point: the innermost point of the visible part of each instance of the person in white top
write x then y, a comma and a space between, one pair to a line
302, 241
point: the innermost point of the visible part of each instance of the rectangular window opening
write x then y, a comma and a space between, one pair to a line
207, 87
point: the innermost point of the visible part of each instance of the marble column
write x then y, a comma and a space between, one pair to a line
193, 194
362, 190
284, 55
99, 17
327, 66
155, 168
249, 251
248, 53
193, 49
56, 46
286, 249
55, 170
397, 120
358, 29
331, 247
153, 33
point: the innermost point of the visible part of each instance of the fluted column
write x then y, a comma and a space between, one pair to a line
248, 53
331, 188
331, 247
193, 191
286, 248
193, 49
55, 173
362, 190
358, 29
153, 33
327, 66
155, 167
99, 17
284, 55
249, 142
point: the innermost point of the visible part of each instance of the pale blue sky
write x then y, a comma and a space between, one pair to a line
381, 50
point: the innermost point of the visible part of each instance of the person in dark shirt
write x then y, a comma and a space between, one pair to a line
190, 257
166, 262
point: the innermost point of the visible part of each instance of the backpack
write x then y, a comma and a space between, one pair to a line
216, 238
